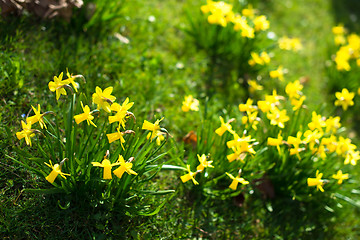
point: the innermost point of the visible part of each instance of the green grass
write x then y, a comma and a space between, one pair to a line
146, 70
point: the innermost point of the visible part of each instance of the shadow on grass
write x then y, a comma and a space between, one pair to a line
348, 13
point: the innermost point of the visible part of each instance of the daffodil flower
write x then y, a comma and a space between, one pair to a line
112, 137
224, 127
236, 181
261, 23
26, 133
56, 170
107, 165
203, 162
318, 182
278, 73
121, 112
38, 117
249, 11
155, 130
352, 157
340, 176
58, 86
287, 43
71, 79
190, 103
254, 86
277, 117
189, 175
85, 116
103, 99
344, 99
317, 122
275, 141
124, 167
247, 107
293, 89
296, 141
297, 103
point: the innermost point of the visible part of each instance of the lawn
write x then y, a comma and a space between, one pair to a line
156, 53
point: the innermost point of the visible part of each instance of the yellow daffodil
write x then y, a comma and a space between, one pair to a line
121, 112
219, 12
317, 122
112, 137
278, 73
277, 117
318, 182
293, 89
190, 103
287, 43
254, 86
155, 130
71, 79
86, 115
124, 167
247, 107
238, 141
265, 106
224, 127
296, 141
236, 181
240, 146
274, 99
38, 117
203, 162
26, 133
344, 99
251, 119
332, 124
344, 145
339, 40
249, 11
255, 59
297, 103
342, 58
56, 170
312, 137
275, 141
339, 29
261, 23
103, 99
340, 176
330, 143
58, 86
107, 165
189, 175
352, 157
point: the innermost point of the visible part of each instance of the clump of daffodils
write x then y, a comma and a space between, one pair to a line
287, 43
274, 133
93, 143
247, 23
349, 48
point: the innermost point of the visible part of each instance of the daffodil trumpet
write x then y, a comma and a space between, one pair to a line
56, 170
